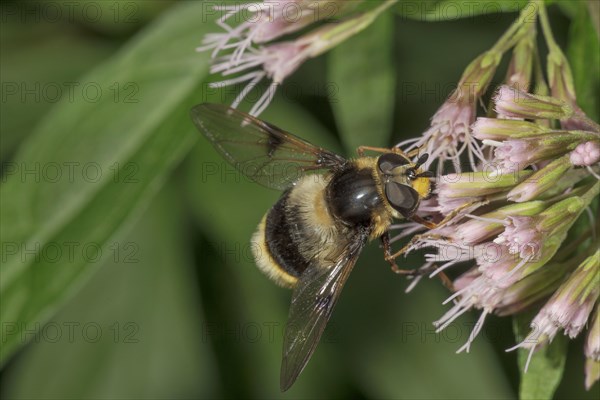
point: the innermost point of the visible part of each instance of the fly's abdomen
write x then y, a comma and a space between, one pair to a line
297, 231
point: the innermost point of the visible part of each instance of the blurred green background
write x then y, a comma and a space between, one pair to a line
172, 306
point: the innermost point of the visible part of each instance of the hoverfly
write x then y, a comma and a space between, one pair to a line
330, 207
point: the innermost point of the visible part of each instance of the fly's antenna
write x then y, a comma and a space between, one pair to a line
425, 174
422, 160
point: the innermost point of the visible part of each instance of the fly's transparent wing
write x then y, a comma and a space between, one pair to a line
314, 297
259, 150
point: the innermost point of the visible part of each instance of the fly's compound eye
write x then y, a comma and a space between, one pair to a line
389, 161
402, 198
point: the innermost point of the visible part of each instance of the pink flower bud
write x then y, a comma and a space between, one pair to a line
514, 103
586, 154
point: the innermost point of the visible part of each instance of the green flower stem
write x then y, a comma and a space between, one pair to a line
478, 74
541, 86
331, 35
548, 36
516, 31
521, 64
559, 72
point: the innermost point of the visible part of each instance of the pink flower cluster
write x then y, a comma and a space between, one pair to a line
510, 221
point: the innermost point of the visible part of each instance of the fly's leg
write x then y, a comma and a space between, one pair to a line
408, 246
389, 257
429, 225
457, 211
360, 150
432, 225
424, 222
413, 153
446, 281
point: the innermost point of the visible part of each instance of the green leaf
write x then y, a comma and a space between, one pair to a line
364, 102
584, 58
451, 10
136, 328
568, 7
92, 164
30, 88
547, 363
117, 17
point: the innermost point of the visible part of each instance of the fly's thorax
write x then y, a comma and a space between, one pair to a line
354, 196
319, 235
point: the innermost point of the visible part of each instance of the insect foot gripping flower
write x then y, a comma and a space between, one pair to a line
569, 307
592, 351
256, 57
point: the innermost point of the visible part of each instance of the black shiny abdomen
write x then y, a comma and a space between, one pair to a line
352, 196
283, 234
